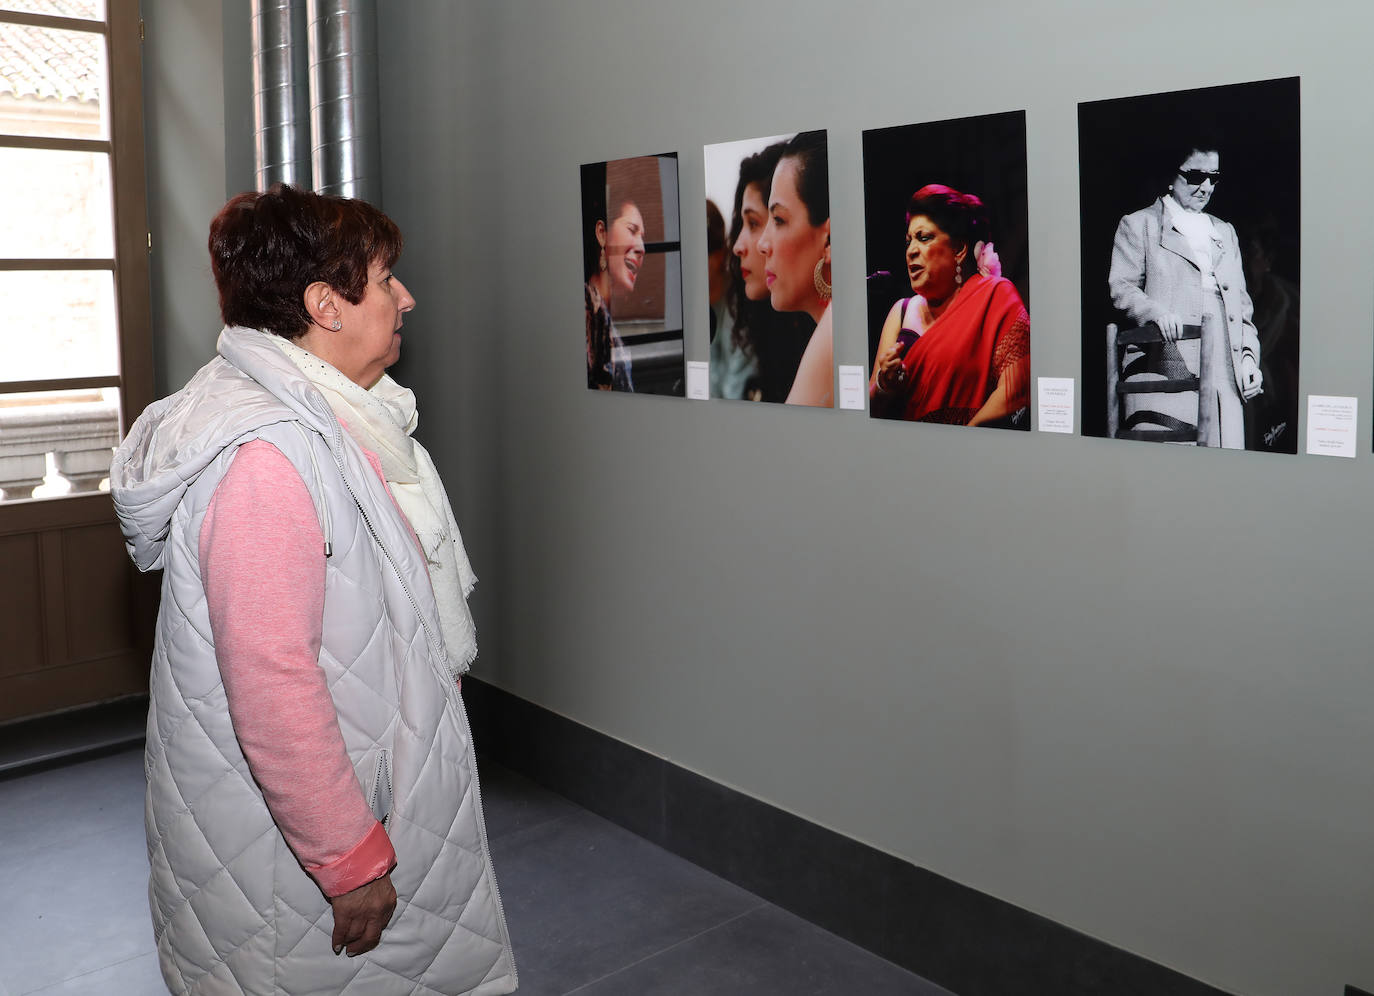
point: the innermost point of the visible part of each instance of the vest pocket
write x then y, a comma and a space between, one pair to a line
379, 793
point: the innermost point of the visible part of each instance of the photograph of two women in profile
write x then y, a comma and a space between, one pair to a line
1190, 213
768, 264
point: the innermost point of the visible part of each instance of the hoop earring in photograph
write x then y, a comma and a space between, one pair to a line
823, 287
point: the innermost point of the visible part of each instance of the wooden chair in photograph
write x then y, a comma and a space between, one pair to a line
1151, 394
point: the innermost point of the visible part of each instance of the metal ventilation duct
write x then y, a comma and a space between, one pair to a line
344, 116
281, 108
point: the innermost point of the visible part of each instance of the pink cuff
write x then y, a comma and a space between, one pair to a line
371, 858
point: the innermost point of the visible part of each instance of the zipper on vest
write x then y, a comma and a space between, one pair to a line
380, 799
367, 520
482, 836
325, 526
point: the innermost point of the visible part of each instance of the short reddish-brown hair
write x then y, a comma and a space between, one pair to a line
267, 248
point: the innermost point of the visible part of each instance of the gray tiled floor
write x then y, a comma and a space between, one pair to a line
593, 910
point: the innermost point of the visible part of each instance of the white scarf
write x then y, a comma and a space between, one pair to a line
1196, 229
382, 420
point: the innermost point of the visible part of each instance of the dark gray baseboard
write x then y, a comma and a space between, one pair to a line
31, 745
958, 937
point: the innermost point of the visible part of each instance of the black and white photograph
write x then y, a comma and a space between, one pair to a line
632, 272
945, 203
1190, 218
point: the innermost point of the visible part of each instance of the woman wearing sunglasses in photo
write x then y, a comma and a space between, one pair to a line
1174, 265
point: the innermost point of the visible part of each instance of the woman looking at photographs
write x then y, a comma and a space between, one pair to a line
1174, 264
313, 628
613, 253
775, 339
795, 244
958, 350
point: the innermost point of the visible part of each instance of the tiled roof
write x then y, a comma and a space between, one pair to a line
51, 64
92, 10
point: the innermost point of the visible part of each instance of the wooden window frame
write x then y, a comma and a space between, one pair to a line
122, 30
79, 612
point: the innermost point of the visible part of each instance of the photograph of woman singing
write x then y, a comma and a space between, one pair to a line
770, 271
1190, 321
949, 331
632, 272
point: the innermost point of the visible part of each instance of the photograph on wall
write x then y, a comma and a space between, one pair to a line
948, 282
1190, 217
769, 270
632, 267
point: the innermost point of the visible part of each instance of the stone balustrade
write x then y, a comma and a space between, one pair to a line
79, 436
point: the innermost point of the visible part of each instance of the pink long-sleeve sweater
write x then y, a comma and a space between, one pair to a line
262, 565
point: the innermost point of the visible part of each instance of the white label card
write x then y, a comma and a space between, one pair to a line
852, 385
698, 380
1054, 398
1331, 425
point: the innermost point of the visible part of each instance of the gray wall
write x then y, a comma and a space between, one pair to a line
183, 102
198, 125
1124, 686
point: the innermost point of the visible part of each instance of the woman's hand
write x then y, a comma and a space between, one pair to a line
891, 374
360, 916
1170, 326
1251, 381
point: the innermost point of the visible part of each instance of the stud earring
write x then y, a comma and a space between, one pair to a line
823, 287
337, 325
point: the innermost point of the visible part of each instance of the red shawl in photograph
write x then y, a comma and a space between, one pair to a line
954, 366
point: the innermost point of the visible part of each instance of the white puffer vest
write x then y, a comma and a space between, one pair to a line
233, 911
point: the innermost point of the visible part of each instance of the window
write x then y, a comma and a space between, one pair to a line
75, 353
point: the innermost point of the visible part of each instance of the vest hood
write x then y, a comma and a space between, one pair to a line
176, 438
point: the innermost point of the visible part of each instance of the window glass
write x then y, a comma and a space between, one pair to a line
90, 9
57, 443
65, 210
53, 83
60, 287
57, 324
